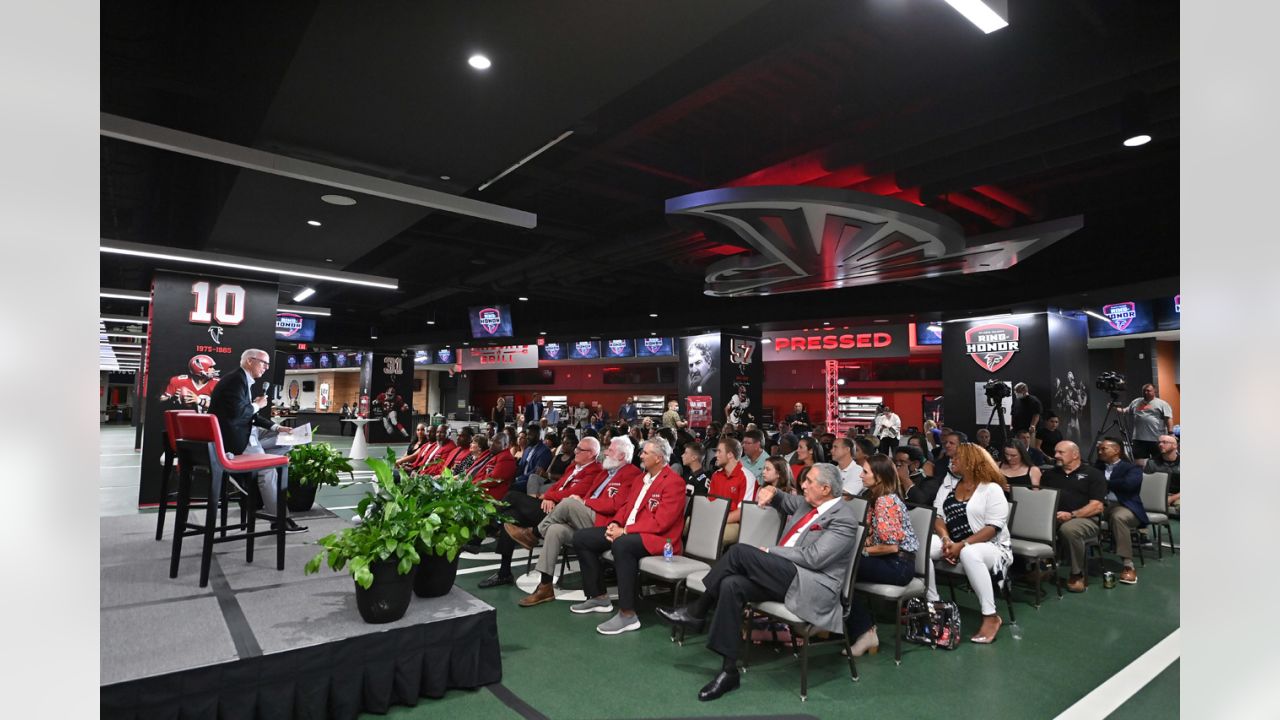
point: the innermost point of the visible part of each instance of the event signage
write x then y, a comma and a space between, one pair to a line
1120, 315
619, 348
292, 327
489, 321
834, 344
654, 347
503, 357
699, 410
386, 396
991, 345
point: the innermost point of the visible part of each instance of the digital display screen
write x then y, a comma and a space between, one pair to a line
655, 347
929, 333
292, 327
1124, 317
553, 351
445, 356
584, 350
325, 360
619, 348
1168, 313
490, 321
340, 359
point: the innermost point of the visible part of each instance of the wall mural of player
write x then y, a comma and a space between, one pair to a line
389, 406
191, 391
1069, 400
738, 410
703, 373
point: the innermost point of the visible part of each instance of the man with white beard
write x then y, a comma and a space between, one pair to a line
599, 501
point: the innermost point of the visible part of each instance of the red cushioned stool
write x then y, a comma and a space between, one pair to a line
199, 445
169, 498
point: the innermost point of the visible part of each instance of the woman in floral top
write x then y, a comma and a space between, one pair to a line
889, 554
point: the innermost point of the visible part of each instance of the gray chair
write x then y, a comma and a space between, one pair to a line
859, 507
802, 628
922, 523
1002, 584
1034, 534
1155, 500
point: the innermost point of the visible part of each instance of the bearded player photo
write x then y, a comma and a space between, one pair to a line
389, 405
192, 391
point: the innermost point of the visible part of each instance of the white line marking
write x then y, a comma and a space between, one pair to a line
1125, 684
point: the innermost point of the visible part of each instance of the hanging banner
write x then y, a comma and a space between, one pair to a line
390, 390
699, 410
199, 326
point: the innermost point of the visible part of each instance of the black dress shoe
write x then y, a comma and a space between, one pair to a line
681, 617
723, 683
497, 579
290, 526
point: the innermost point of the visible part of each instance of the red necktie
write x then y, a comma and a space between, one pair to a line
796, 528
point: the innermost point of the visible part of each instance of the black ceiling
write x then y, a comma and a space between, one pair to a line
663, 98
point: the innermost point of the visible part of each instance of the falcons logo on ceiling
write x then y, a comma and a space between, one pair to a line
811, 238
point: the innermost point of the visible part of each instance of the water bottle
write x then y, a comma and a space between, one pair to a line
1015, 631
667, 551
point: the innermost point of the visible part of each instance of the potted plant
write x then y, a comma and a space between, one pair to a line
381, 553
311, 466
465, 511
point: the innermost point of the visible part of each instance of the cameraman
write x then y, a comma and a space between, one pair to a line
1026, 409
1152, 417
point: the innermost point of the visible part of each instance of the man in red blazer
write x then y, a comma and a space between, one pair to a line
426, 455
448, 456
496, 472
652, 515
591, 504
528, 511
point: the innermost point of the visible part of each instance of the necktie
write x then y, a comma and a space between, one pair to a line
608, 479
804, 521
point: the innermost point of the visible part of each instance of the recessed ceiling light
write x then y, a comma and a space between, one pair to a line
826, 322
338, 199
746, 327
881, 321
313, 223
765, 341
523, 299
544, 332
328, 259
653, 333
479, 62
445, 177
653, 314
431, 322
1137, 140
466, 343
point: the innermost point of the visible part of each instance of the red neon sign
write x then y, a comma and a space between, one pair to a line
847, 341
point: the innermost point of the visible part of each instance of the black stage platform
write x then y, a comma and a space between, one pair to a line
264, 643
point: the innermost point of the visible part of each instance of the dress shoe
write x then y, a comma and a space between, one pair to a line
1128, 576
1077, 583
522, 535
868, 641
681, 617
497, 579
541, 594
988, 637
723, 683
290, 526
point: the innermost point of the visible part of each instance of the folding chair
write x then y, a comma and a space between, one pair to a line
1155, 500
1001, 583
1034, 534
922, 523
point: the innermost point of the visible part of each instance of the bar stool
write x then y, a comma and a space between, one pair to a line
199, 444
169, 439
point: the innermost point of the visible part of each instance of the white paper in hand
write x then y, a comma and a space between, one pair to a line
299, 436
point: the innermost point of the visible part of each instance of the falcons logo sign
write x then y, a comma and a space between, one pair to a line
991, 345
612, 491
811, 238
653, 345
1120, 315
653, 503
490, 319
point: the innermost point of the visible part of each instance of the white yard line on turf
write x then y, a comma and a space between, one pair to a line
1125, 684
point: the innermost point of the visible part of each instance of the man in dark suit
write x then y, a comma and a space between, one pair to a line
1124, 511
534, 411
235, 405
628, 412
805, 571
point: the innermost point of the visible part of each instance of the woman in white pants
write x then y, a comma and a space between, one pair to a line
972, 525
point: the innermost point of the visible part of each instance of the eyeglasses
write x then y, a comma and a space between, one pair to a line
265, 363
582, 449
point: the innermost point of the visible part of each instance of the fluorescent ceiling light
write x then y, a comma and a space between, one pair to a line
431, 322
1091, 313
988, 15
479, 62
306, 293
313, 223
304, 310
157, 252
523, 299
124, 319
124, 294
526, 159
338, 199
1137, 140
765, 341
653, 314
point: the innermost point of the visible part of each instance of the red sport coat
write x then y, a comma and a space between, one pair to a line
582, 482
439, 449
502, 469
614, 494
661, 515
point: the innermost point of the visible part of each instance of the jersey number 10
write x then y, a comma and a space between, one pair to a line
228, 304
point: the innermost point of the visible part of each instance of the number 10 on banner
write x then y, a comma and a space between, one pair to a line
228, 304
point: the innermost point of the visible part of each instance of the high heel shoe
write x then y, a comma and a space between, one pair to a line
988, 639
867, 642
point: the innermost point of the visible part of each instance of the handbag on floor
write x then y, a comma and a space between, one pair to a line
936, 624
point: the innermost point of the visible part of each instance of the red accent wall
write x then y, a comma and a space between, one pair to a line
578, 382
787, 383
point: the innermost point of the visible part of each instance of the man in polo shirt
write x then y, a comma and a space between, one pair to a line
805, 571
731, 482
850, 471
1152, 417
1081, 491
753, 455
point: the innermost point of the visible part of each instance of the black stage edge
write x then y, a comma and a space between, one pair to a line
258, 643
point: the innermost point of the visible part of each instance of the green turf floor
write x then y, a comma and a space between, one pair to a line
559, 667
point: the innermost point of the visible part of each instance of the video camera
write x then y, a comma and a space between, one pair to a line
1110, 381
996, 391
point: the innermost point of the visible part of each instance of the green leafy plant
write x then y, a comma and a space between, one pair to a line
395, 519
464, 508
317, 464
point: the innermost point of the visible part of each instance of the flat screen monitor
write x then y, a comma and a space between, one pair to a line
655, 347
490, 321
553, 351
292, 327
445, 356
619, 348
928, 333
584, 350
1168, 313
1124, 317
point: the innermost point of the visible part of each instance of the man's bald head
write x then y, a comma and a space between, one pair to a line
1067, 453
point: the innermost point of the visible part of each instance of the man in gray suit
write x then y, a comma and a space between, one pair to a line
804, 571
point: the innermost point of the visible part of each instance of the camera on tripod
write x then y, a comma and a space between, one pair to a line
1110, 381
996, 391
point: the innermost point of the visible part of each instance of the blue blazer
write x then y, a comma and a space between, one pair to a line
1126, 483
534, 457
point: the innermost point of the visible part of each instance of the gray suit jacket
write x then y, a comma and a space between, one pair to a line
821, 558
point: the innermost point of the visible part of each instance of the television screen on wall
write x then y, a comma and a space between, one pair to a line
490, 321
553, 351
1123, 317
654, 347
292, 327
928, 333
619, 348
584, 350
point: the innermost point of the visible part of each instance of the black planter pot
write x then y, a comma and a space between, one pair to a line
388, 597
301, 497
435, 574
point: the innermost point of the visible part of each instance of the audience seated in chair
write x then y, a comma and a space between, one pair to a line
1123, 504
1167, 460
890, 547
1081, 491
